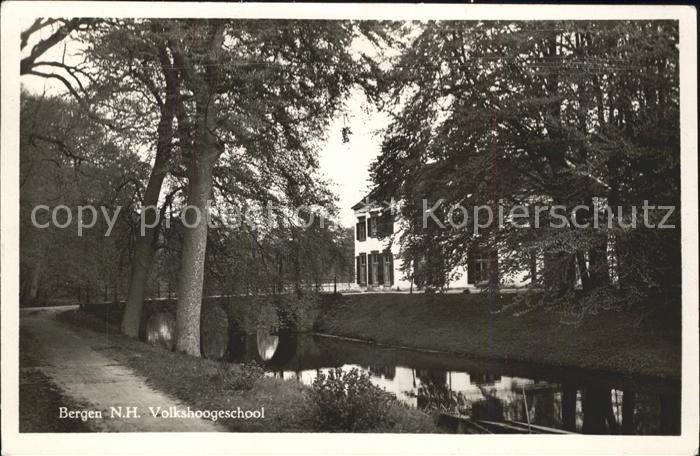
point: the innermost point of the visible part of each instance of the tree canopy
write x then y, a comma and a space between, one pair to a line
550, 112
225, 116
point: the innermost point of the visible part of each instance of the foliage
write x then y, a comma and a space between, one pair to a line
277, 85
348, 401
287, 408
438, 396
240, 377
283, 259
296, 311
66, 159
540, 113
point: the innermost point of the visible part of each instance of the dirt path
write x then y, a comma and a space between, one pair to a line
72, 362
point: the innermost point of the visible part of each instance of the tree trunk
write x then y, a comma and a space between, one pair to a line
597, 406
145, 245
191, 280
599, 270
144, 250
559, 273
568, 406
140, 268
628, 403
582, 271
204, 152
559, 267
670, 416
36, 280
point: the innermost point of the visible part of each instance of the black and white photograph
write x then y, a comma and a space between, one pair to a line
421, 224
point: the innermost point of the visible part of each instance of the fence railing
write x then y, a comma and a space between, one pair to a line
160, 289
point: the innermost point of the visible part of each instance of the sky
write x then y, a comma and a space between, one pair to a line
347, 165
344, 165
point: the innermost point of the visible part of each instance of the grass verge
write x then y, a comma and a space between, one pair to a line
463, 324
199, 383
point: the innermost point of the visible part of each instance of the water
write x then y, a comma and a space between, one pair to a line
574, 400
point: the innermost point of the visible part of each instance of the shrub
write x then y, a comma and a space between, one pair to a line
240, 377
348, 401
297, 310
437, 396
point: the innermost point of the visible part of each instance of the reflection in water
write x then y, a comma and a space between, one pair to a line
267, 344
160, 329
578, 402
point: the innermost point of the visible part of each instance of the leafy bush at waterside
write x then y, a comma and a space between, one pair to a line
240, 377
297, 310
349, 402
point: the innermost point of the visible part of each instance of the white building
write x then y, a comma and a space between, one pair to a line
378, 264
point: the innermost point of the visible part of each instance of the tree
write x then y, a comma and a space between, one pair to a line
65, 159
260, 89
138, 82
234, 109
551, 113
121, 62
61, 28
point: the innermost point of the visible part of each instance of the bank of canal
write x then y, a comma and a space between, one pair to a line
574, 400
616, 342
451, 353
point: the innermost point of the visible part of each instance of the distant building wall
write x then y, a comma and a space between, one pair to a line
378, 263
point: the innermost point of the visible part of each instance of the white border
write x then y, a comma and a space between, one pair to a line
184, 443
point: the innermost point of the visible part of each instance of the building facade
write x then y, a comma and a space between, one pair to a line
378, 264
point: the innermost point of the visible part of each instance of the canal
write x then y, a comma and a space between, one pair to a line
574, 400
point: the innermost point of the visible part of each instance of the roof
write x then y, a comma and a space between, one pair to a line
368, 202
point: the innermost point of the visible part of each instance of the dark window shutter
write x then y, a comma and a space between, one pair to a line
391, 259
363, 268
357, 262
389, 223
361, 229
388, 268
363, 279
380, 269
369, 268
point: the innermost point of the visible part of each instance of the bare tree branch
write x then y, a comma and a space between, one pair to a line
39, 49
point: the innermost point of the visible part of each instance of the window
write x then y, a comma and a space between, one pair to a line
387, 224
373, 227
375, 271
479, 266
483, 266
362, 269
388, 268
361, 229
